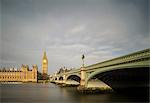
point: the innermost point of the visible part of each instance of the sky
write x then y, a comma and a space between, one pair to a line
66, 29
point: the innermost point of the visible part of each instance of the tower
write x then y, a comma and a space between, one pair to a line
44, 65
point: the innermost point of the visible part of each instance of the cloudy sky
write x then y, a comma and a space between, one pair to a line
66, 29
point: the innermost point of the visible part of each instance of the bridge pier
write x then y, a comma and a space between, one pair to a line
82, 85
83, 76
64, 79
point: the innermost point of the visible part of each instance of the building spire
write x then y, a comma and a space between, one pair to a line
44, 57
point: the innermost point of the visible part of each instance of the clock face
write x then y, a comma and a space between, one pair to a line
44, 61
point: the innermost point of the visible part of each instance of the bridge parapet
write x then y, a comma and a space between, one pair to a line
133, 57
73, 71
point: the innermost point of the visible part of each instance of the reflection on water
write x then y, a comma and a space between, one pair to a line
50, 93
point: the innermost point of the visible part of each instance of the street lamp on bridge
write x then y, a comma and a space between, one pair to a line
83, 60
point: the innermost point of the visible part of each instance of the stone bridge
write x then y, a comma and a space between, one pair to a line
127, 71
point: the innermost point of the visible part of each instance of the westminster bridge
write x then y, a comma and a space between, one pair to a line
128, 71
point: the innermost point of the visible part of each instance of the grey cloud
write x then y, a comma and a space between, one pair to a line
101, 29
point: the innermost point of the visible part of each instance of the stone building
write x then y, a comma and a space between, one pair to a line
63, 70
22, 75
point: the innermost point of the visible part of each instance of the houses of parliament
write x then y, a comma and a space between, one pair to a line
24, 74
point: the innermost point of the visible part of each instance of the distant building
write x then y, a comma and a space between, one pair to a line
63, 70
44, 66
22, 75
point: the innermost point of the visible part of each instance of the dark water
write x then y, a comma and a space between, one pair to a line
51, 93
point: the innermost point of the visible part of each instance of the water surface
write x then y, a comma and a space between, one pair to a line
51, 93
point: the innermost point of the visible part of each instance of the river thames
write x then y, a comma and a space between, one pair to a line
51, 93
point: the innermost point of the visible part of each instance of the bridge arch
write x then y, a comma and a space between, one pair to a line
74, 77
61, 78
110, 69
56, 78
123, 76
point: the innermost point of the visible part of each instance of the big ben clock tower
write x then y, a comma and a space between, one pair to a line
44, 65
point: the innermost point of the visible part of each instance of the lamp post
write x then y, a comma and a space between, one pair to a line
83, 73
83, 60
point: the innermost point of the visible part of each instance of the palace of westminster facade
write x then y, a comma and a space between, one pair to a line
24, 74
